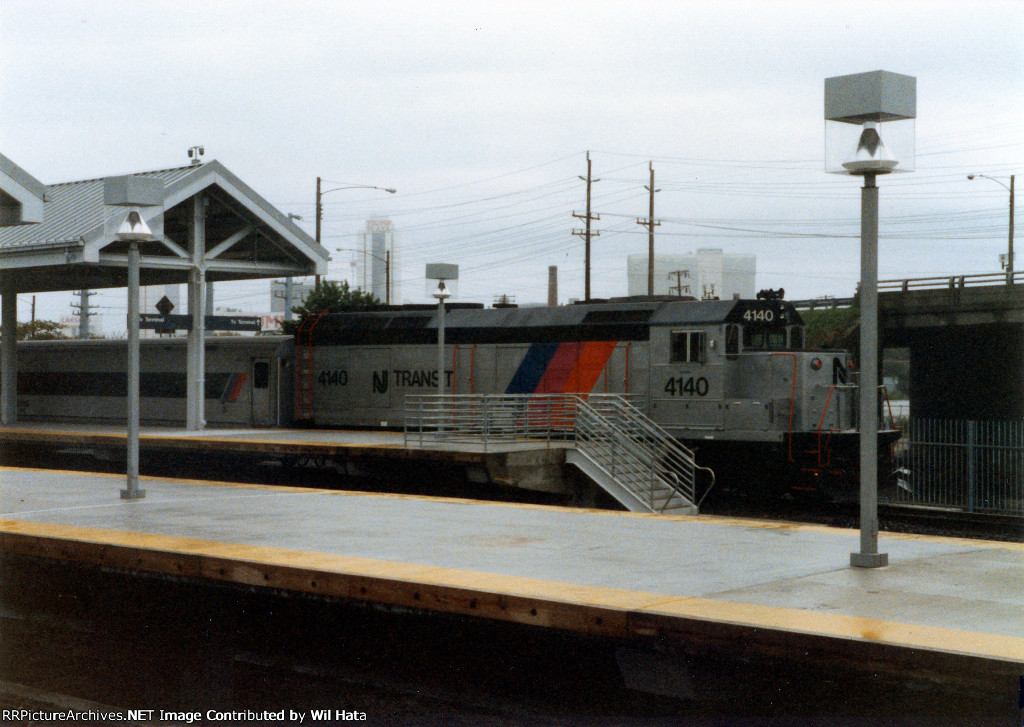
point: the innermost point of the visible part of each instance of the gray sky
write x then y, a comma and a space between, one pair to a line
481, 113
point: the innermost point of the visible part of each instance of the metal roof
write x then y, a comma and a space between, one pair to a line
21, 195
75, 244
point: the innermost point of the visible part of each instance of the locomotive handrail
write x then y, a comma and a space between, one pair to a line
614, 435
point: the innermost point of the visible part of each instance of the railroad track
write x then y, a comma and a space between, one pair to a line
946, 522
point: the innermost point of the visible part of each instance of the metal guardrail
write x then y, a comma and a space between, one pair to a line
975, 466
953, 282
906, 285
615, 435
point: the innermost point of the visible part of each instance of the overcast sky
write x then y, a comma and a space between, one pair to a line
481, 114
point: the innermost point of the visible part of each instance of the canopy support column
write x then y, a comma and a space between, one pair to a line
9, 355
195, 399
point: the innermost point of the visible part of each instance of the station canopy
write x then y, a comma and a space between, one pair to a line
73, 244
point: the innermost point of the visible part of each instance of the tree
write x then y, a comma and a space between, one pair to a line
39, 331
332, 297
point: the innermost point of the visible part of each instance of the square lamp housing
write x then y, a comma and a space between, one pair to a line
869, 123
437, 273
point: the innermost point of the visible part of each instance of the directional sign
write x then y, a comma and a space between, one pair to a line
252, 324
165, 306
169, 323
164, 324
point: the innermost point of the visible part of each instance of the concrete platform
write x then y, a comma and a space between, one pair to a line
527, 464
944, 610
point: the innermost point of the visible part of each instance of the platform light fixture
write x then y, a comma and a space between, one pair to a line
869, 130
133, 231
447, 276
133, 192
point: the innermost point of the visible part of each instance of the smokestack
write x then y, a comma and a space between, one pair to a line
552, 285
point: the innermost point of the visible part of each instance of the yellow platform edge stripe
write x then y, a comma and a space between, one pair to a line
248, 561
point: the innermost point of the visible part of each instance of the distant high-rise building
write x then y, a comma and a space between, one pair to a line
377, 252
707, 273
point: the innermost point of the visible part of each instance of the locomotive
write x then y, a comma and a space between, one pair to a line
730, 378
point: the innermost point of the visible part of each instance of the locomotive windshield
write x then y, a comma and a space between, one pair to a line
763, 325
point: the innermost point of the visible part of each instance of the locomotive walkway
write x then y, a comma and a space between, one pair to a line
945, 610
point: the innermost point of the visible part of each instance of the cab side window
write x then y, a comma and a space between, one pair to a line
687, 347
732, 340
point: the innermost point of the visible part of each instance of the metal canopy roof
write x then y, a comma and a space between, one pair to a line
75, 246
21, 195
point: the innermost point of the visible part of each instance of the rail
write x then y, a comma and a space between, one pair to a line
629, 455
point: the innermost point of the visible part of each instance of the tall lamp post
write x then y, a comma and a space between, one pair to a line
133, 192
1009, 249
443, 273
867, 108
320, 207
387, 267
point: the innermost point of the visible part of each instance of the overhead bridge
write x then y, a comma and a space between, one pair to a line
612, 442
965, 336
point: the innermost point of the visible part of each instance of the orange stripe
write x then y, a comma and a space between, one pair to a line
593, 357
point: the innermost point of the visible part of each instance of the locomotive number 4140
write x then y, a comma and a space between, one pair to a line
686, 386
762, 315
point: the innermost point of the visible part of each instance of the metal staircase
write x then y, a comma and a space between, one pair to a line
632, 458
615, 444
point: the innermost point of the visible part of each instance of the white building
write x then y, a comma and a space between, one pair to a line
376, 253
707, 273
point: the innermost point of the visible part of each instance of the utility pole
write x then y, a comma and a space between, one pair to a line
586, 233
84, 312
679, 287
1009, 256
319, 216
650, 223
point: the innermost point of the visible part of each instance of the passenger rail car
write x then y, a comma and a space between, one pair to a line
247, 383
731, 378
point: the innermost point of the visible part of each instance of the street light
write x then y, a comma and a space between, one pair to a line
133, 231
320, 207
869, 106
1009, 251
133, 192
442, 273
387, 267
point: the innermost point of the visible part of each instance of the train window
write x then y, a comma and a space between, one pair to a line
687, 347
732, 340
796, 338
764, 338
260, 374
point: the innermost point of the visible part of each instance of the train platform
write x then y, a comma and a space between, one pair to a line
945, 611
527, 464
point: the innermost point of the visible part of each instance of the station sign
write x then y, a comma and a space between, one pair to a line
171, 323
